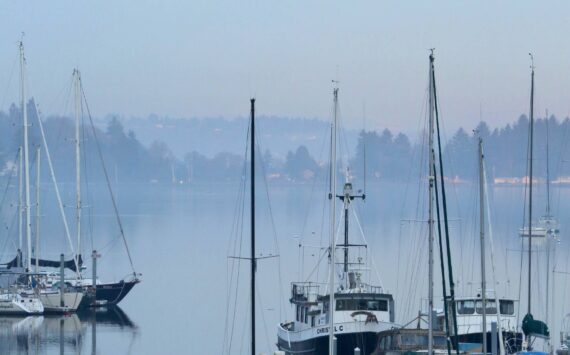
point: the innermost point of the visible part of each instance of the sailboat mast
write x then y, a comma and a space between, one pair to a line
253, 261
547, 168
531, 136
346, 203
26, 159
333, 223
77, 76
37, 248
482, 234
549, 235
431, 200
20, 204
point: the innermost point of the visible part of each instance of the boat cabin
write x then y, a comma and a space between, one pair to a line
470, 313
312, 307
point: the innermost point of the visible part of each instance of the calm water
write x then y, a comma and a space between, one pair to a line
180, 238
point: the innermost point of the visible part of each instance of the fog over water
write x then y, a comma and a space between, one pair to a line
180, 236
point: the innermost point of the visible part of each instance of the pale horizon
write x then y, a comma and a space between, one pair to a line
206, 59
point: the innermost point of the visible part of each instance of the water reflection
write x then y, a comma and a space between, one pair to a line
69, 334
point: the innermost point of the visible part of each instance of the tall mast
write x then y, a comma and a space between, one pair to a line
20, 204
37, 248
77, 87
547, 169
531, 123
253, 261
482, 233
549, 221
333, 223
26, 158
346, 200
431, 200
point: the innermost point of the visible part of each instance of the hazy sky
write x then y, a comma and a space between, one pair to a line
205, 58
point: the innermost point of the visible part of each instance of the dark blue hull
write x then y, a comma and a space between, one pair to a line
110, 294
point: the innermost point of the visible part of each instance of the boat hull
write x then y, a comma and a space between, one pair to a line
315, 340
346, 343
112, 293
472, 342
52, 301
16, 304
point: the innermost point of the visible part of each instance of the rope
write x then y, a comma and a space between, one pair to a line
115, 208
57, 194
497, 301
237, 226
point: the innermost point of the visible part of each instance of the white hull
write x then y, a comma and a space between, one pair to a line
15, 303
340, 328
52, 301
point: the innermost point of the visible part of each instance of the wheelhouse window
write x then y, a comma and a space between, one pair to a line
507, 307
362, 305
465, 307
491, 307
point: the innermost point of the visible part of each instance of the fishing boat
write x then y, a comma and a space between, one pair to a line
347, 313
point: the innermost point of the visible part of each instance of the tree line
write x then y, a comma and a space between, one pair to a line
379, 155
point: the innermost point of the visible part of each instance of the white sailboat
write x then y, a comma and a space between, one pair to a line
19, 298
96, 293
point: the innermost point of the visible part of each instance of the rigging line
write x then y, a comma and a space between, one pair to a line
364, 137
445, 215
311, 194
369, 257
8, 182
491, 242
56, 188
324, 252
7, 240
442, 265
408, 183
263, 317
86, 177
274, 230
562, 151
116, 209
239, 229
9, 83
63, 122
